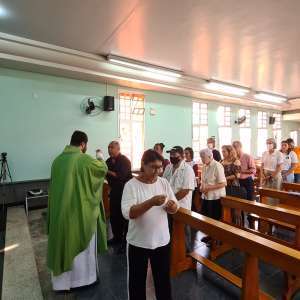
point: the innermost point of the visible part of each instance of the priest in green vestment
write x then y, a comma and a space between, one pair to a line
76, 220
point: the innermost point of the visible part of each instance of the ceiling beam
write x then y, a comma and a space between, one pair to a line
25, 54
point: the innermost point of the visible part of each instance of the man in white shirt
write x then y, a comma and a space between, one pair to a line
181, 177
271, 165
213, 182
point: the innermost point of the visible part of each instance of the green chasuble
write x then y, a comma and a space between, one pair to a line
75, 207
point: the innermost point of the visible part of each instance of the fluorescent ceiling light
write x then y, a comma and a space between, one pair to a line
226, 88
269, 97
159, 76
143, 66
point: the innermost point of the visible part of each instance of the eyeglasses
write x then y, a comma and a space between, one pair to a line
155, 168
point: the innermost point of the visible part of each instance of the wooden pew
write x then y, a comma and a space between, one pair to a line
254, 246
291, 187
274, 214
286, 199
289, 200
266, 212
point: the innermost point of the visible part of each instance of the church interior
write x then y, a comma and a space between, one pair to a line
198, 100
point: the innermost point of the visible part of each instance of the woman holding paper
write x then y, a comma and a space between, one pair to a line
146, 201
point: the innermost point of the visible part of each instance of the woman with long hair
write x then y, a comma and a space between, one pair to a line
232, 166
232, 170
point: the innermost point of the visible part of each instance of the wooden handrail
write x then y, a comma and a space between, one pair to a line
263, 210
285, 198
281, 256
286, 215
291, 186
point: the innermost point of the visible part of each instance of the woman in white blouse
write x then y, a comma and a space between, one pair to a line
271, 164
290, 161
146, 201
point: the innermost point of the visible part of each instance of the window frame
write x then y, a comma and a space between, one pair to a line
203, 124
131, 156
225, 123
277, 128
245, 126
261, 125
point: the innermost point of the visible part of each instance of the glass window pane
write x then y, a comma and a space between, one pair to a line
132, 127
195, 118
261, 141
225, 136
245, 138
294, 136
203, 136
196, 133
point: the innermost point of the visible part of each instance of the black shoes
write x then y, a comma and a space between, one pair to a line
206, 239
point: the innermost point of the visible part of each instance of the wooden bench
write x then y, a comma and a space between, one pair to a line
274, 214
291, 187
286, 200
254, 246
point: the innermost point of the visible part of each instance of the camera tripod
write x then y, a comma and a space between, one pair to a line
5, 172
4, 175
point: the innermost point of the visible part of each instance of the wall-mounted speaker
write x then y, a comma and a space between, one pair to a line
109, 103
271, 120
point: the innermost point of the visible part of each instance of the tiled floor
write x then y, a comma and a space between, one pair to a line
20, 277
197, 284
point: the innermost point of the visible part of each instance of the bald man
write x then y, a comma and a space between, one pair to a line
119, 172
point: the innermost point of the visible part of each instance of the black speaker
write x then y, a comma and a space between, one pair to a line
271, 120
109, 103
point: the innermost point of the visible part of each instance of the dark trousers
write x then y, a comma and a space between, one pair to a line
137, 272
119, 225
248, 184
212, 209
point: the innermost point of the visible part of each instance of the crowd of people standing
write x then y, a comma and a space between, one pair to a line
141, 205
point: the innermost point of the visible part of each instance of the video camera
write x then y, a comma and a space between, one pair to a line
3, 156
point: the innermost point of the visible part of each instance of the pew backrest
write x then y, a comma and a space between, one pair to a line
285, 198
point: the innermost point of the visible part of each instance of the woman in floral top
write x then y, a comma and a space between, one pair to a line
232, 170
232, 166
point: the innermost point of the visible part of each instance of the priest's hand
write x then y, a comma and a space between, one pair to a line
158, 200
171, 207
112, 174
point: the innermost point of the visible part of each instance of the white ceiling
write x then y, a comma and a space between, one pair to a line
253, 43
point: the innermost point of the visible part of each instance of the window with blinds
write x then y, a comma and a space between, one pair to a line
131, 126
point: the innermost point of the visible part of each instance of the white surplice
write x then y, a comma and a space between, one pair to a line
84, 269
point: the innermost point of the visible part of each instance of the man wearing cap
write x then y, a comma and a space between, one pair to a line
182, 180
